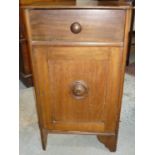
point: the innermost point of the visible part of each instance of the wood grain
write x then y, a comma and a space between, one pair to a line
54, 25
73, 43
24, 52
99, 69
95, 56
76, 127
65, 67
111, 142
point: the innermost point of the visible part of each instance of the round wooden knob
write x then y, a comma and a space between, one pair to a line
76, 28
79, 89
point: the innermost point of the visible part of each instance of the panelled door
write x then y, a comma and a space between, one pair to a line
77, 87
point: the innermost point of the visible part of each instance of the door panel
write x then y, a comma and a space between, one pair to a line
69, 66
79, 81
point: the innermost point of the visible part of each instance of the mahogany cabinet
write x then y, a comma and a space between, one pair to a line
25, 70
78, 53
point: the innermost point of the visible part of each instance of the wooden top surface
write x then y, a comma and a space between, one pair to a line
76, 4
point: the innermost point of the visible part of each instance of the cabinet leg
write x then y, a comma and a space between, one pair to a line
44, 134
109, 141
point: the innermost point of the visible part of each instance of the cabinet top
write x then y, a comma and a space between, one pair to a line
120, 4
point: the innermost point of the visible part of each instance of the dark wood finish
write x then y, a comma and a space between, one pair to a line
94, 62
25, 71
76, 28
109, 141
53, 25
44, 134
79, 89
79, 77
131, 34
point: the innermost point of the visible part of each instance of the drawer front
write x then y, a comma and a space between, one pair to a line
77, 25
75, 85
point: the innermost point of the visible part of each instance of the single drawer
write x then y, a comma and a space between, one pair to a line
77, 25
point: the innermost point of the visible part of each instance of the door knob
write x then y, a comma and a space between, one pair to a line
79, 89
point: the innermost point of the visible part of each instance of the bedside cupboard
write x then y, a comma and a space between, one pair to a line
78, 53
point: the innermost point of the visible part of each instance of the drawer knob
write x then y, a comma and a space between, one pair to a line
79, 89
76, 28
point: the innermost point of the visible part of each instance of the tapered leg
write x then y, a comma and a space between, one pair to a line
44, 135
109, 141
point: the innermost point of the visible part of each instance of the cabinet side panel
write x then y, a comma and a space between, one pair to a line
123, 63
39, 57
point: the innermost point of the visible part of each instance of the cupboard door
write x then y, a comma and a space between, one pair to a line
77, 87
